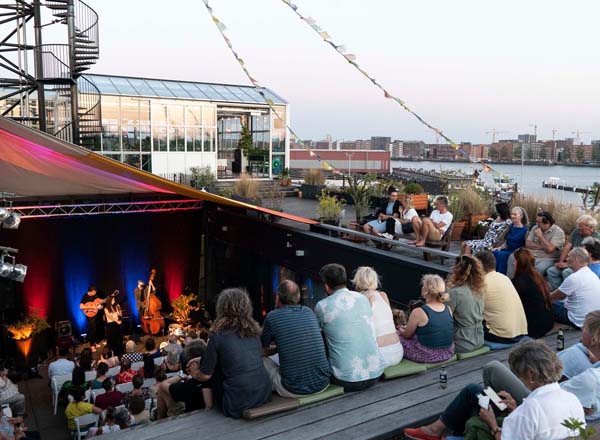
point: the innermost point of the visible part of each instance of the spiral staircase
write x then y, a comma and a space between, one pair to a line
69, 105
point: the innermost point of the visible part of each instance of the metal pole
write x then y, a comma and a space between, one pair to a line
39, 67
73, 66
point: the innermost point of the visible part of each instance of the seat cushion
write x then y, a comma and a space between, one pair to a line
453, 359
473, 353
404, 368
331, 391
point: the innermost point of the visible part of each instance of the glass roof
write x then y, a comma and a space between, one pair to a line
162, 88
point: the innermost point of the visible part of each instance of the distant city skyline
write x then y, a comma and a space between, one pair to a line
467, 67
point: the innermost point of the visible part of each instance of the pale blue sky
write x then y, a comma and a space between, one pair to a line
465, 65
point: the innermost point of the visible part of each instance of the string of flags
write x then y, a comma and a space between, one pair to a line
261, 90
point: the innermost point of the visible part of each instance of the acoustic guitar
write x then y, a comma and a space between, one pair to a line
90, 308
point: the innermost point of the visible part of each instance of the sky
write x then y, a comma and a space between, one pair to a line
466, 66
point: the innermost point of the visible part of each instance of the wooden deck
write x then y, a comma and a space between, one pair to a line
380, 412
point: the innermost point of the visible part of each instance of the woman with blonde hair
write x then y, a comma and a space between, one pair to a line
234, 356
465, 288
428, 335
366, 281
515, 239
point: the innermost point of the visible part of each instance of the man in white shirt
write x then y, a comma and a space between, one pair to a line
62, 365
434, 227
581, 291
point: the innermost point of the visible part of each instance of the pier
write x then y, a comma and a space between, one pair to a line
555, 184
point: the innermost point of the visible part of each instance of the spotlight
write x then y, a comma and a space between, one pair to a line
9, 219
10, 269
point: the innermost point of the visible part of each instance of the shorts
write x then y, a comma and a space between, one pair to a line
188, 392
377, 226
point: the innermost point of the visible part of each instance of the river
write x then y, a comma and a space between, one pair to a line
531, 178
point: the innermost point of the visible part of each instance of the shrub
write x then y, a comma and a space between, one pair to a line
472, 202
203, 176
314, 176
246, 187
413, 188
330, 208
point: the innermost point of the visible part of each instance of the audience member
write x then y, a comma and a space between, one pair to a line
9, 392
101, 374
428, 336
160, 376
109, 358
126, 374
356, 363
495, 235
466, 285
366, 281
107, 426
138, 383
130, 354
149, 368
193, 393
586, 225
579, 357
515, 239
545, 240
233, 356
62, 365
78, 408
534, 294
434, 227
123, 418
403, 224
171, 363
503, 314
303, 367
536, 404
592, 245
390, 209
137, 408
111, 397
581, 290
150, 346
173, 345
84, 364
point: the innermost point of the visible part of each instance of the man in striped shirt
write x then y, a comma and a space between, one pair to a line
303, 367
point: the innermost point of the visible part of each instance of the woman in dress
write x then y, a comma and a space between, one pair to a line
366, 282
493, 236
113, 314
428, 335
466, 284
514, 239
534, 293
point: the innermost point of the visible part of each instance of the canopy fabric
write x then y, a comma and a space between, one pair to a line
36, 164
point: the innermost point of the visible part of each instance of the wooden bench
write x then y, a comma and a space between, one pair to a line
420, 201
443, 244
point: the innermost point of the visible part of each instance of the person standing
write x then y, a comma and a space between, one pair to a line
113, 314
140, 298
90, 304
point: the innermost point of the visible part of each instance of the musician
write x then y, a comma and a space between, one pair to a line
113, 315
90, 304
140, 298
197, 316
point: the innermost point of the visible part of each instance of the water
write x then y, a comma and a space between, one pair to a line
532, 178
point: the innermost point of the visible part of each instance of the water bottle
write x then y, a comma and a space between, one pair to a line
443, 379
560, 341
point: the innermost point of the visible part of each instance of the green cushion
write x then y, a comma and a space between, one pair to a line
331, 391
404, 368
441, 364
473, 353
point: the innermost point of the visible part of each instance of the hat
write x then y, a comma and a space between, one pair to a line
130, 346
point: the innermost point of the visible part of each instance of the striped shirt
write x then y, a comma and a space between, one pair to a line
303, 364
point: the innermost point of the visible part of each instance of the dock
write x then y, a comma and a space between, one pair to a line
566, 187
380, 412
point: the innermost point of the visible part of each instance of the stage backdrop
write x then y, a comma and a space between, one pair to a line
65, 255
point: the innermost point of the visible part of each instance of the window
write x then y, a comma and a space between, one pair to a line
193, 116
208, 117
110, 138
110, 110
159, 137
159, 113
147, 162
145, 137
131, 138
176, 116
133, 160
176, 139
193, 138
209, 139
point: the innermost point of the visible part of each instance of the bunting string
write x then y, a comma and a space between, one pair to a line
261, 90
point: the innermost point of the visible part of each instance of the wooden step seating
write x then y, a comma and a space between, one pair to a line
280, 404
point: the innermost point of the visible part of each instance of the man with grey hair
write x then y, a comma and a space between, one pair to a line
303, 366
581, 291
592, 245
586, 225
435, 226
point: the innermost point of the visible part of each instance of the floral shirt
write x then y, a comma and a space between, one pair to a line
346, 319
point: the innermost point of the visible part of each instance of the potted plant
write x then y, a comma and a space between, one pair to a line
360, 189
455, 207
284, 177
24, 334
330, 209
181, 309
413, 188
246, 190
203, 178
314, 182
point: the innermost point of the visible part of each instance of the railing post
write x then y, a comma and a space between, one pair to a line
72, 65
39, 66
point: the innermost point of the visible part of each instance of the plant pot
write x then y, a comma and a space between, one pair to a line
457, 230
285, 181
355, 238
472, 220
311, 191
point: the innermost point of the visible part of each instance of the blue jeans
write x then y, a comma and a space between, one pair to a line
556, 276
561, 314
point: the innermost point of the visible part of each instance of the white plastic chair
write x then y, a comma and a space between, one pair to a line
87, 395
149, 382
90, 375
148, 404
56, 384
112, 372
124, 387
159, 360
136, 366
170, 375
7, 411
87, 421
96, 393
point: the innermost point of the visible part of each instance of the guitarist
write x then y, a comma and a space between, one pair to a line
91, 304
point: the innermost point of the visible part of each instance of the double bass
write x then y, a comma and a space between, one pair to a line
152, 321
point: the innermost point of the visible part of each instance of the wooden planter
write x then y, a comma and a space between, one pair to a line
457, 230
311, 191
472, 220
355, 238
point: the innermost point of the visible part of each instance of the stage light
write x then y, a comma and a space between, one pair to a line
9, 219
9, 269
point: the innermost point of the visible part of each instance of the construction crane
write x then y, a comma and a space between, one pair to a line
554, 131
494, 132
578, 134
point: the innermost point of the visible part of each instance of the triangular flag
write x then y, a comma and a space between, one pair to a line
312, 153
324, 35
350, 56
310, 20
386, 94
341, 48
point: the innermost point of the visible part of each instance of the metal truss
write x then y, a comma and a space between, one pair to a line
106, 208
